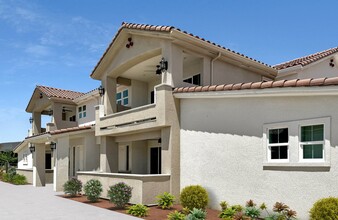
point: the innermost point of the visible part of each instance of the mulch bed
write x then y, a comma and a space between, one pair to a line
155, 213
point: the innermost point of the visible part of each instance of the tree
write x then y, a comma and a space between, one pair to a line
7, 158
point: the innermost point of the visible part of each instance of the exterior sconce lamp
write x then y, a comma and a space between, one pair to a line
32, 148
101, 90
162, 67
52, 145
31, 120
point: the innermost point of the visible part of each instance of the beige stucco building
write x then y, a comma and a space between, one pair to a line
159, 123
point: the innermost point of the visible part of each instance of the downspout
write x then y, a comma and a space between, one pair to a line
212, 67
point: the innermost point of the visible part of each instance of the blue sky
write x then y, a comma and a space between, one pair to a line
58, 42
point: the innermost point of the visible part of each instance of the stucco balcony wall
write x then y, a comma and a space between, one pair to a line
146, 117
145, 187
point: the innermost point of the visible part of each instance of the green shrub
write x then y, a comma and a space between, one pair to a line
194, 196
19, 179
93, 190
224, 205
138, 210
197, 214
326, 208
120, 194
165, 200
227, 213
72, 187
176, 216
252, 212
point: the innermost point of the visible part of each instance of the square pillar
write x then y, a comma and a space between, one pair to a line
108, 155
39, 171
109, 99
36, 123
61, 169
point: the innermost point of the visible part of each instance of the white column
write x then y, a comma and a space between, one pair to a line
39, 178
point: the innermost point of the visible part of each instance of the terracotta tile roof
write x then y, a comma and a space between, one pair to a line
261, 85
59, 93
306, 59
65, 130
163, 28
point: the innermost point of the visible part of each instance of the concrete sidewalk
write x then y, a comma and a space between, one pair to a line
28, 202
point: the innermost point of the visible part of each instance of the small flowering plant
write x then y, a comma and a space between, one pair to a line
120, 194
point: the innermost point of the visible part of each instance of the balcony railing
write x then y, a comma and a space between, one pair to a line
139, 118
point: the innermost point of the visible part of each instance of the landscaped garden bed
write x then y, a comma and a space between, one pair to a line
154, 213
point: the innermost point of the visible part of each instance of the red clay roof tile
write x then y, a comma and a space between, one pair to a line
59, 93
262, 85
307, 59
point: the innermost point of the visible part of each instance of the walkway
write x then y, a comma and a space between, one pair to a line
28, 202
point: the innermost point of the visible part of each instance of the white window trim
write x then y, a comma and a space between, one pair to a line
277, 144
295, 151
123, 98
325, 142
25, 159
82, 112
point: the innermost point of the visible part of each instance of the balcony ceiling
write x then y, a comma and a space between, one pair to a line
144, 71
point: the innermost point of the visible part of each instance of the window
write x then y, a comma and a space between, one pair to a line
278, 144
196, 80
122, 98
82, 111
297, 143
312, 142
24, 159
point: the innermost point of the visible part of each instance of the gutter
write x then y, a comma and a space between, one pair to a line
212, 67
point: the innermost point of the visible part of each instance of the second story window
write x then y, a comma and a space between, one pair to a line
122, 98
196, 80
82, 111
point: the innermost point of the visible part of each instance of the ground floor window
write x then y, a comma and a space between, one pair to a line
299, 141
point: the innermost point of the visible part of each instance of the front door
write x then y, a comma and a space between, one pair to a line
155, 160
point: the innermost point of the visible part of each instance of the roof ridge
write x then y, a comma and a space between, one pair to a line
305, 60
261, 85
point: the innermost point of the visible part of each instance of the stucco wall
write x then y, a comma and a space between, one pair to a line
90, 111
28, 173
315, 70
25, 164
222, 149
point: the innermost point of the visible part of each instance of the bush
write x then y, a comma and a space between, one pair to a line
252, 212
224, 205
119, 194
194, 196
176, 216
227, 213
138, 210
197, 214
281, 211
72, 187
165, 200
326, 208
19, 179
93, 190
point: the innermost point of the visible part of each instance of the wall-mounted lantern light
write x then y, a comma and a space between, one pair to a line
162, 67
31, 120
52, 145
32, 148
101, 90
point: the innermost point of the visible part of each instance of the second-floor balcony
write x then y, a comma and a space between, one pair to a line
146, 117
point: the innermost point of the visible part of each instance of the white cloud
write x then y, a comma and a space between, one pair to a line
38, 50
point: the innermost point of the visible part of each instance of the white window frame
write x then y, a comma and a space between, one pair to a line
25, 159
326, 146
277, 144
192, 79
82, 112
295, 149
123, 97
